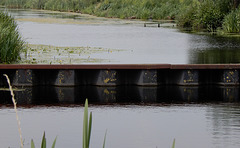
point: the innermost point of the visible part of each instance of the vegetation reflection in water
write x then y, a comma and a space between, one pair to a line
216, 56
214, 49
56, 17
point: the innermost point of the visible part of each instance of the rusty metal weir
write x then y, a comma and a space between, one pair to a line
119, 82
121, 74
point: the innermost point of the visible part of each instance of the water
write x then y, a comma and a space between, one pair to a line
129, 126
134, 117
140, 44
195, 117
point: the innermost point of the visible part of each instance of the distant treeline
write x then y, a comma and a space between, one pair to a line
212, 15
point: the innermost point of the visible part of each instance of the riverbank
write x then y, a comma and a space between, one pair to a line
210, 15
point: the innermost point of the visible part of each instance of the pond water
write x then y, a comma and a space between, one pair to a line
140, 44
128, 126
195, 117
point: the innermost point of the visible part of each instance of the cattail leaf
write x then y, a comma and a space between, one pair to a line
89, 129
104, 139
32, 144
54, 143
85, 125
173, 145
44, 143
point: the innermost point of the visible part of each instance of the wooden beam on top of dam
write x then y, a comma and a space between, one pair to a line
121, 74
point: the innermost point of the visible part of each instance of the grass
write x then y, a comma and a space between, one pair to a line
15, 109
231, 22
173, 145
44, 142
11, 42
195, 14
87, 126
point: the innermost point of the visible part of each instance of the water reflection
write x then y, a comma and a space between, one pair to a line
27, 13
214, 50
207, 125
72, 18
122, 94
225, 120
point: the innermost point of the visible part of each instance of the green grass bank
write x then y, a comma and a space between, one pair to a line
210, 15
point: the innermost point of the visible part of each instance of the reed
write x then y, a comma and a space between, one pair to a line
173, 145
44, 142
231, 22
87, 128
43, 145
15, 109
196, 14
11, 42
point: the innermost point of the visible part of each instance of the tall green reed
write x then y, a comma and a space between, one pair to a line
44, 142
231, 22
11, 42
87, 128
173, 145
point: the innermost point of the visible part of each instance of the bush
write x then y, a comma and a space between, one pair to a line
202, 15
194, 14
231, 22
11, 43
188, 15
209, 16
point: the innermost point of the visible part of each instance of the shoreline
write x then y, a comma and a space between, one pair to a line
127, 21
114, 20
